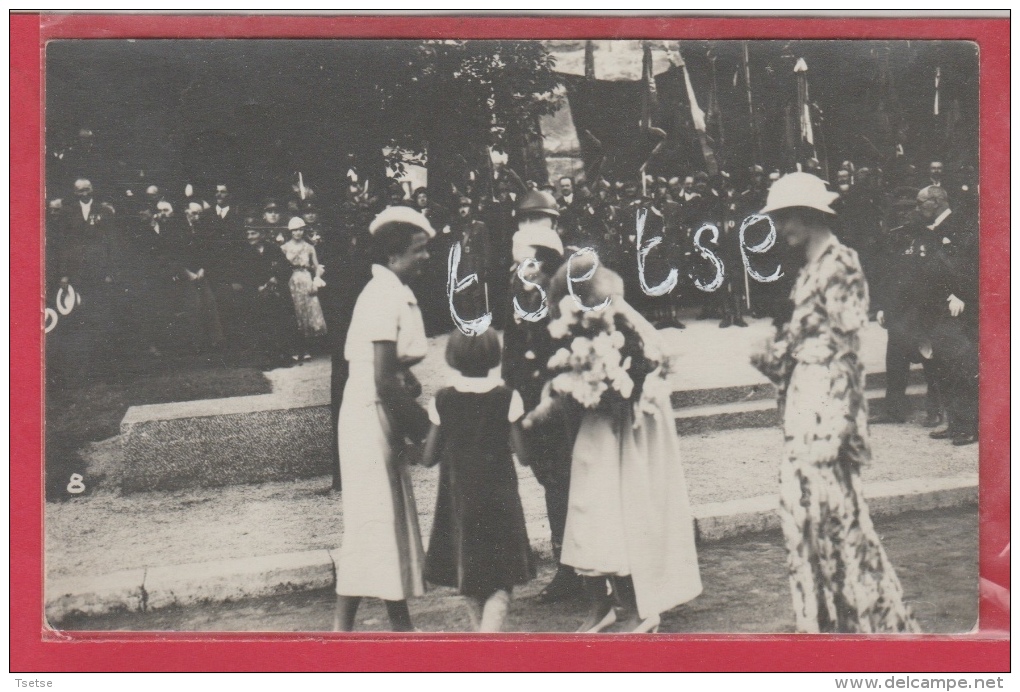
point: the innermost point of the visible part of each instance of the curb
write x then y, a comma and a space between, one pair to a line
151, 588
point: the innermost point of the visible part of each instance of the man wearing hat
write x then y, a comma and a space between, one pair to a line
526, 350
266, 310
476, 257
272, 220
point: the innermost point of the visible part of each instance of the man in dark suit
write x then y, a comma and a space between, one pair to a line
476, 258
950, 312
569, 204
82, 240
344, 253
897, 296
198, 301
266, 308
526, 350
225, 234
731, 295
152, 273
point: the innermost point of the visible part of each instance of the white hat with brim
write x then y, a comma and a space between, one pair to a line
799, 190
295, 223
401, 214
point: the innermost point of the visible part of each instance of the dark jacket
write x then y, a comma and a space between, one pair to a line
225, 243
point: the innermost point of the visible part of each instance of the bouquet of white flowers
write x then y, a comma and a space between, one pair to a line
601, 363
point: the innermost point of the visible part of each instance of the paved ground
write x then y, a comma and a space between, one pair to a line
935, 554
106, 531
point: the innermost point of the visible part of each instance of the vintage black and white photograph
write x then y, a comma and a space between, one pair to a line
456, 336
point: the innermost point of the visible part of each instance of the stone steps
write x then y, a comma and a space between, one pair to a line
274, 437
754, 413
287, 434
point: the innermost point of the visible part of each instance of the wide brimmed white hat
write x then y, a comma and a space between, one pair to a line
401, 214
799, 190
295, 223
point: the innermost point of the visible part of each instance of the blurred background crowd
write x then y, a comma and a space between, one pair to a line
216, 200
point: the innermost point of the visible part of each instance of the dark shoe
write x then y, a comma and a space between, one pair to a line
933, 420
564, 586
739, 322
961, 439
669, 323
885, 419
943, 434
726, 322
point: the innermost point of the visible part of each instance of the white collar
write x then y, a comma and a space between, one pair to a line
385, 274
393, 282
474, 385
939, 219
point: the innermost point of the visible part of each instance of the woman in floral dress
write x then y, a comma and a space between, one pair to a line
840, 576
305, 264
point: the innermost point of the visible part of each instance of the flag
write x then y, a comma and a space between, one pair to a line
698, 119
649, 99
938, 74
714, 116
697, 115
803, 102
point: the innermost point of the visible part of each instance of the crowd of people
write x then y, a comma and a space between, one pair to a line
367, 280
274, 282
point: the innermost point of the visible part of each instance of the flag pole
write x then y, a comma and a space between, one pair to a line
714, 108
750, 104
648, 102
747, 292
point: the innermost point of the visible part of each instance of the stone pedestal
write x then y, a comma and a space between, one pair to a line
247, 439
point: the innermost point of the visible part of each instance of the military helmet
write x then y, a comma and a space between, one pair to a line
538, 202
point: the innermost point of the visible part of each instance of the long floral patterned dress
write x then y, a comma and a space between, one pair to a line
307, 309
840, 576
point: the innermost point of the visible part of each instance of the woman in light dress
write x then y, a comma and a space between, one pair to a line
303, 287
840, 577
381, 555
629, 521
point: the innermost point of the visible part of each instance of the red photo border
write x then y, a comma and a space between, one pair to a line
33, 648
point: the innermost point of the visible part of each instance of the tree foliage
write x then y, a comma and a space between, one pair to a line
453, 101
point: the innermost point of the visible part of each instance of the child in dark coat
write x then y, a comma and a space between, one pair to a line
479, 542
